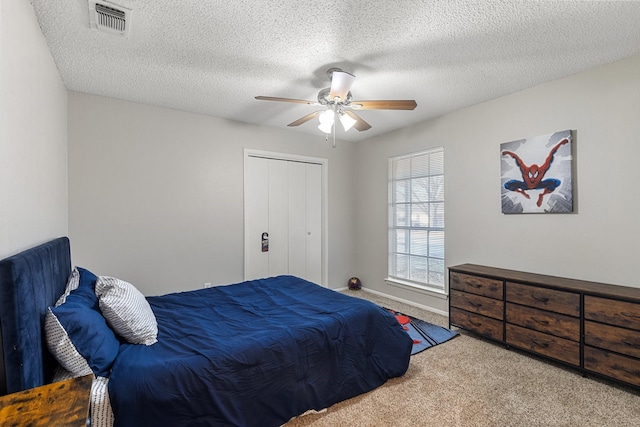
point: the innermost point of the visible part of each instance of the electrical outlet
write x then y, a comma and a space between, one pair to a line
207, 285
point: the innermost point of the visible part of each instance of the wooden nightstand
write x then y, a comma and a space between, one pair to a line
65, 403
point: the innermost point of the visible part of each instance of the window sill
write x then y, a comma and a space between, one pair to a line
433, 292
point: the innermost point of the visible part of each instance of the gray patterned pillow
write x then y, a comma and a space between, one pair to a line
126, 310
61, 374
72, 285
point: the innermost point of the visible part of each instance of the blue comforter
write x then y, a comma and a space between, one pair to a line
255, 354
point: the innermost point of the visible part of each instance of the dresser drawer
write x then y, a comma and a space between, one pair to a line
545, 344
491, 288
620, 340
545, 299
614, 312
548, 322
481, 325
477, 304
612, 365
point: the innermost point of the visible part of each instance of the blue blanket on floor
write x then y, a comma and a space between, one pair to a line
255, 354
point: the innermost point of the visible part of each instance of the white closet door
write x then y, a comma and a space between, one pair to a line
314, 223
278, 215
256, 208
297, 220
284, 199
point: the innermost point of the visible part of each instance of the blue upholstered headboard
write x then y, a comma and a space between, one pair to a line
30, 282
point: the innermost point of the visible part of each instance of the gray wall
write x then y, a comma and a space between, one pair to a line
33, 134
599, 242
156, 195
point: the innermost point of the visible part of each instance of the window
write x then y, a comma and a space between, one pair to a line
416, 220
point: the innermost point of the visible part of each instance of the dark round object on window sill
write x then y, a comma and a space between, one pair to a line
354, 284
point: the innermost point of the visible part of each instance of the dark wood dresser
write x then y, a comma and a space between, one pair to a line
593, 327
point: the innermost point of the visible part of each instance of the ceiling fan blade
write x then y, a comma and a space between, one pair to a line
297, 101
340, 84
360, 125
408, 104
305, 119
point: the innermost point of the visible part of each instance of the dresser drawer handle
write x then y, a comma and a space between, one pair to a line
631, 315
475, 304
540, 344
631, 344
475, 285
476, 324
541, 299
542, 322
627, 370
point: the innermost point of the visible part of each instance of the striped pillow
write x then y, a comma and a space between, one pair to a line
127, 311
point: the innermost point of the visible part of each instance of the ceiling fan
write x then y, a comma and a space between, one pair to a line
338, 102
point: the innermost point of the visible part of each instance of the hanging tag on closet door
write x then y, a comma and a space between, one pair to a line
265, 242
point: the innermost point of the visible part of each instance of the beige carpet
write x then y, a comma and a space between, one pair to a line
471, 382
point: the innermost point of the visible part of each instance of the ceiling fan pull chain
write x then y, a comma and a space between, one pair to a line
334, 136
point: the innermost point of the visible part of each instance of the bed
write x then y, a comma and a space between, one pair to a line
255, 353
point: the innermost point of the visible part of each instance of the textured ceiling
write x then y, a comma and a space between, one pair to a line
213, 57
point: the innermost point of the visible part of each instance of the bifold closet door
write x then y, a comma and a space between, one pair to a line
283, 199
305, 208
256, 217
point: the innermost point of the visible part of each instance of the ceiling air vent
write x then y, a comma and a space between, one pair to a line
110, 18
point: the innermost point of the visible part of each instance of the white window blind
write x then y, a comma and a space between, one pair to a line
416, 219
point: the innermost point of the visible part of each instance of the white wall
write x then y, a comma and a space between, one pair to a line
599, 242
156, 195
33, 134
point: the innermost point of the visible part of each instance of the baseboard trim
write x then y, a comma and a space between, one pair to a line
404, 301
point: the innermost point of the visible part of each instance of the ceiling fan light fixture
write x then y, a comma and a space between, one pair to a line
347, 121
340, 84
326, 119
325, 127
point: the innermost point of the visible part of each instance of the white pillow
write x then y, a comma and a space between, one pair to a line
62, 348
61, 374
72, 284
127, 310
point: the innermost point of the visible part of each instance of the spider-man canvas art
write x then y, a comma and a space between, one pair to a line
536, 174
